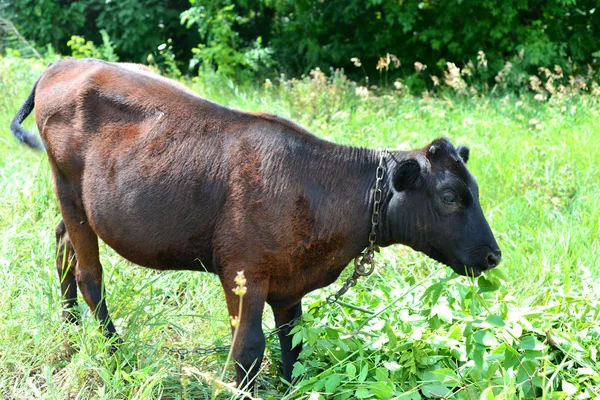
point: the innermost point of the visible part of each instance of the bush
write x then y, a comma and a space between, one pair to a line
532, 34
250, 38
81, 48
223, 47
136, 28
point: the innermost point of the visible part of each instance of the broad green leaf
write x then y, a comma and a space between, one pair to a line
364, 371
382, 389
391, 335
468, 333
486, 285
492, 369
569, 388
343, 395
529, 343
485, 338
435, 390
308, 317
392, 366
487, 394
350, 371
496, 320
434, 291
362, 393
319, 384
332, 334
298, 369
332, 382
381, 374
342, 344
296, 339
533, 354
478, 353
447, 376
414, 395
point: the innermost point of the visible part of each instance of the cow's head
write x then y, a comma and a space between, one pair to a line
434, 208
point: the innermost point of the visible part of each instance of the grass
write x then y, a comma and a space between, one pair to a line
531, 329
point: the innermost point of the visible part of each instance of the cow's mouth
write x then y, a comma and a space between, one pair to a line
463, 269
457, 266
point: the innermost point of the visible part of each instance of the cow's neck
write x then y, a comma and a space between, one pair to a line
338, 181
397, 222
351, 173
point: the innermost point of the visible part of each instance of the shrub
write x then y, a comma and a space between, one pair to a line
81, 48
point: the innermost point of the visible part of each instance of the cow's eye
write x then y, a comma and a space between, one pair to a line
449, 198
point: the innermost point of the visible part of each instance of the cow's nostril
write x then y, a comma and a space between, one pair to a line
493, 259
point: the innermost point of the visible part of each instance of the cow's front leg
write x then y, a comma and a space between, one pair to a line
285, 319
249, 346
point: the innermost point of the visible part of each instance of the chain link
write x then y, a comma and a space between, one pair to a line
360, 262
200, 351
367, 258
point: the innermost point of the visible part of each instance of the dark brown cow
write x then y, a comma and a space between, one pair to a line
172, 181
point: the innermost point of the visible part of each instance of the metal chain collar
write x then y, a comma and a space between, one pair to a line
367, 258
364, 259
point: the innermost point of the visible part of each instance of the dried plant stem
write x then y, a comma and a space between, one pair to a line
235, 334
240, 291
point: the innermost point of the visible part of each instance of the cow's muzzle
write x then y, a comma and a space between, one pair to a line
487, 259
493, 259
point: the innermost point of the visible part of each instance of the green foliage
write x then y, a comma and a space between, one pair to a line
47, 21
12, 42
311, 33
81, 48
222, 48
529, 328
449, 339
136, 28
262, 38
165, 60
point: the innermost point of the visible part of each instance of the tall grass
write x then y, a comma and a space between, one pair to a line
431, 335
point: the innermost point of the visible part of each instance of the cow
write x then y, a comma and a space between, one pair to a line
172, 181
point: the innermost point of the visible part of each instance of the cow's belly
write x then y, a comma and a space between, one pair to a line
287, 289
161, 221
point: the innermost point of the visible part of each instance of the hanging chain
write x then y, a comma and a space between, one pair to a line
364, 259
367, 258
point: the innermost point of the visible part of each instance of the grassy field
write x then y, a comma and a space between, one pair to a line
529, 329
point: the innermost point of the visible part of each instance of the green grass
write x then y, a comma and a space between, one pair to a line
433, 334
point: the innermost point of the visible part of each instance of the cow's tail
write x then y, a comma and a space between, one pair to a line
29, 138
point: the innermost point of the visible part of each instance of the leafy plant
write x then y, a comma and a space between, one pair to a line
82, 48
222, 47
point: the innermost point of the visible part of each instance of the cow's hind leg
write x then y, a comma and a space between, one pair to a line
88, 274
88, 270
65, 265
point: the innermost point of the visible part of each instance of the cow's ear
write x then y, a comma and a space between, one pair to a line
463, 152
407, 175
